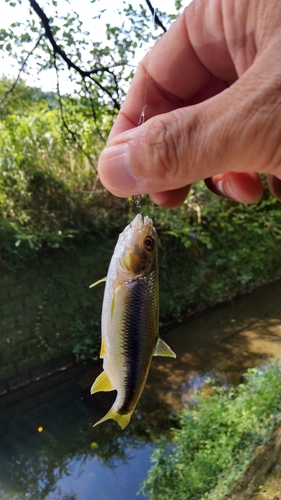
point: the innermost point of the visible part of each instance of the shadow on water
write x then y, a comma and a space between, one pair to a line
49, 448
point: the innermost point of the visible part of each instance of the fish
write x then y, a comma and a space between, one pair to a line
130, 319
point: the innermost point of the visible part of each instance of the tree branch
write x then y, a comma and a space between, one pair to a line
56, 48
70, 64
156, 19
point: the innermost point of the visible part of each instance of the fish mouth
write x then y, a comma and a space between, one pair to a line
140, 221
130, 235
137, 224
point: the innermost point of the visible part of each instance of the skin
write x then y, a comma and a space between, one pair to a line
212, 90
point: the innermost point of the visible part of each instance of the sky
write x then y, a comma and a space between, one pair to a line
87, 10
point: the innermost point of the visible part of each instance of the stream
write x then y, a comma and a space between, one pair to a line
49, 448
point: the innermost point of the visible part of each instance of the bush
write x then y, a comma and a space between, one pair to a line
49, 189
222, 248
217, 439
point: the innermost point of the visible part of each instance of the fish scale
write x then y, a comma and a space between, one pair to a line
136, 320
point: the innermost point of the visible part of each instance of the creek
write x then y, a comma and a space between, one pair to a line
49, 448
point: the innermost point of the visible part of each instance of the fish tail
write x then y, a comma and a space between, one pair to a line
123, 420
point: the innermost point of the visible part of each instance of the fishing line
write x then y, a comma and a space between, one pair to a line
142, 115
138, 198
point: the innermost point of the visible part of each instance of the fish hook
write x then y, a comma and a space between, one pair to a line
136, 199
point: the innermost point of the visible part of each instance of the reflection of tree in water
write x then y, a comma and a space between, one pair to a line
33, 462
34, 478
36, 473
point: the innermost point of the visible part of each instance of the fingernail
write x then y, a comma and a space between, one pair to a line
115, 168
229, 189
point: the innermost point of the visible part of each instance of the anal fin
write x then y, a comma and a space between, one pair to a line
102, 383
162, 349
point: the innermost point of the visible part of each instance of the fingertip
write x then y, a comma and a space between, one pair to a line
170, 199
274, 184
240, 187
115, 170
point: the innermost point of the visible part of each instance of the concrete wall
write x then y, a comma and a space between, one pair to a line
48, 314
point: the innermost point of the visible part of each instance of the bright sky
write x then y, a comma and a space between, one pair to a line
87, 10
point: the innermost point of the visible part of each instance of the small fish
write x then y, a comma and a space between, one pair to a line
130, 319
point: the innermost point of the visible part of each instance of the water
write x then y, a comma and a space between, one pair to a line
49, 448
85, 478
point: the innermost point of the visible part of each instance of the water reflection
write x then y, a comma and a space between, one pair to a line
88, 478
49, 449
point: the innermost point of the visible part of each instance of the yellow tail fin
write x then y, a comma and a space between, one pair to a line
123, 420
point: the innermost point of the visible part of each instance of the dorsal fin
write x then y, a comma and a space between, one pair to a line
98, 282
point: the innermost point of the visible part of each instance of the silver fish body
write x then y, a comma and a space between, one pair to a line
130, 319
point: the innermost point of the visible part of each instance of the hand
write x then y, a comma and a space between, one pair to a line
212, 90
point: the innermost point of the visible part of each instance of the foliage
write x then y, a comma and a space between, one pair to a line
51, 198
20, 98
217, 439
55, 37
49, 191
222, 248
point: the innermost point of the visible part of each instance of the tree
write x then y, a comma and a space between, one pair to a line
55, 38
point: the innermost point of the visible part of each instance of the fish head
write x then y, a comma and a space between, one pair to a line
138, 247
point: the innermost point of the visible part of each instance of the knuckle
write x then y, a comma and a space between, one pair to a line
266, 131
171, 146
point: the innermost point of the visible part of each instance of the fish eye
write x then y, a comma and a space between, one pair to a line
149, 243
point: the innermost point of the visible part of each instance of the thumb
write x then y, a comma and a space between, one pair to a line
157, 156
238, 130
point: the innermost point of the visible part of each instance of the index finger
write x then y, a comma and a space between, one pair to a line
174, 73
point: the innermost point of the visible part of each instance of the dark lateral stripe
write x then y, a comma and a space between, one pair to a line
139, 337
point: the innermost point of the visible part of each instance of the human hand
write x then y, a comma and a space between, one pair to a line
212, 90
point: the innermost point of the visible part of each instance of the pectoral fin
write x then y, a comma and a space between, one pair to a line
98, 282
162, 349
102, 383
